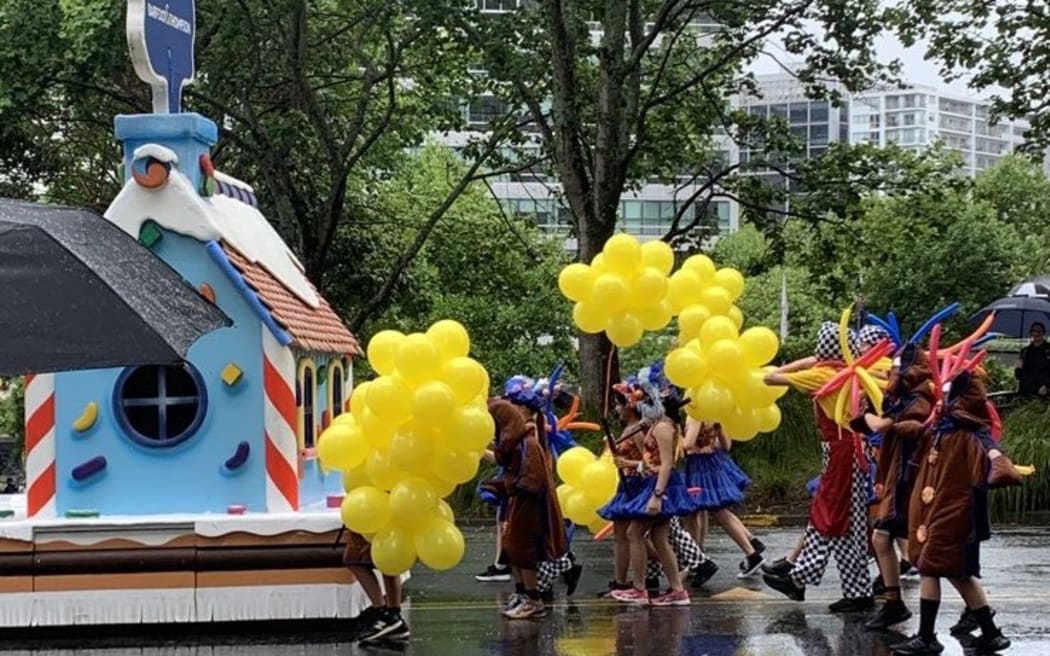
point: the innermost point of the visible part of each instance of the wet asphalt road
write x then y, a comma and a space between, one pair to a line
452, 614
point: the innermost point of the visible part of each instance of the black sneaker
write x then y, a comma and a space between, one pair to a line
399, 635
613, 585
757, 545
703, 572
967, 623
780, 567
918, 646
908, 571
750, 565
786, 586
547, 596
652, 585
854, 605
991, 644
572, 578
388, 621
361, 624
891, 613
494, 573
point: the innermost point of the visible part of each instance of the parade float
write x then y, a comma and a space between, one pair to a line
186, 492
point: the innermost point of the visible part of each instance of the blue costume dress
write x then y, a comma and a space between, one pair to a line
636, 488
721, 481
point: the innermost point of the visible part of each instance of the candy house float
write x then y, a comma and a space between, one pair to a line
188, 493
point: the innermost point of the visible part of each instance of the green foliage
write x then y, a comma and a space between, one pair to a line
12, 413
1026, 440
1019, 192
807, 307
746, 250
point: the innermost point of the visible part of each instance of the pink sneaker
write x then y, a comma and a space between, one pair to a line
632, 596
672, 598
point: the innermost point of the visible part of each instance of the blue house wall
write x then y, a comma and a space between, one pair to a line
188, 477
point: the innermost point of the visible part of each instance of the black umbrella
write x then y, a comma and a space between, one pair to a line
1014, 315
76, 292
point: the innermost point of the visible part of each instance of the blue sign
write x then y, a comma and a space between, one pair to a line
161, 36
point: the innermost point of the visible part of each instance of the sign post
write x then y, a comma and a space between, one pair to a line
161, 37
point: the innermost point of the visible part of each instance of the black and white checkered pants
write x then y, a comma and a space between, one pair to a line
851, 550
551, 569
686, 550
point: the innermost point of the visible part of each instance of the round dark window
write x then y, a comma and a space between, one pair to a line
160, 406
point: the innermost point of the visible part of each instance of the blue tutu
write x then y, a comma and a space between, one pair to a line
634, 492
721, 481
813, 485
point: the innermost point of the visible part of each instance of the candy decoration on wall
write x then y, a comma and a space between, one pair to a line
412, 435
87, 419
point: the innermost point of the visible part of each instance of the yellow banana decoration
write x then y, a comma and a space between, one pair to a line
1025, 470
87, 419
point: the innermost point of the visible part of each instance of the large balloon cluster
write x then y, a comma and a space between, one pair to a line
589, 484
629, 288
412, 435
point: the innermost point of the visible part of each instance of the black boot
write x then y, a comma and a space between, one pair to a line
991, 644
786, 586
891, 613
703, 572
852, 605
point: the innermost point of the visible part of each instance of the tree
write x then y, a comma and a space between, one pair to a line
623, 91
315, 100
1019, 192
12, 412
496, 275
1002, 47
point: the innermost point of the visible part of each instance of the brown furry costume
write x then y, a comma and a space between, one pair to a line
948, 514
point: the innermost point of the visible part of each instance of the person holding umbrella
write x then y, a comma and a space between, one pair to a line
1033, 364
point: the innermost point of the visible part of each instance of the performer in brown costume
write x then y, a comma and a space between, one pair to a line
909, 402
535, 530
948, 514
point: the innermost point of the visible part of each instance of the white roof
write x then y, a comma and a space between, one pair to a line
178, 207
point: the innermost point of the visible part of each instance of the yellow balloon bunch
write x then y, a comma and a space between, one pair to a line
721, 368
623, 291
412, 435
589, 484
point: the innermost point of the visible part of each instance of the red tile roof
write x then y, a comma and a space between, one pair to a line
313, 329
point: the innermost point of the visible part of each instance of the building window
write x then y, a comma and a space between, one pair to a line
307, 380
485, 109
818, 135
497, 6
799, 114
160, 406
336, 394
818, 112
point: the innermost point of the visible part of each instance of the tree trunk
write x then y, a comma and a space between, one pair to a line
595, 350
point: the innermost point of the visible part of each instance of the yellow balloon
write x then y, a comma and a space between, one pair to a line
717, 299
411, 448
444, 511
390, 399
598, 264
342, 447
768, 418
713, 401
450, 338
365, 510
434, 404
737, 316
731, 280
563, 492
741, 425
393, 551
344, 419
571, 463
454, 466
656, 317
610, 292
381, 471
473, 428
359, 400
589, 317
442, 487
418, 359
685, 367
622, 253
726, 358
648, 288
684, 289
624, 329
382, 350
702, 266
466, 377
439, 544
760, 345
376, 430
715, 329
356, 477
658, 255
692, 318
412, 502
579, 508
575, 281
599, 482
596, 525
